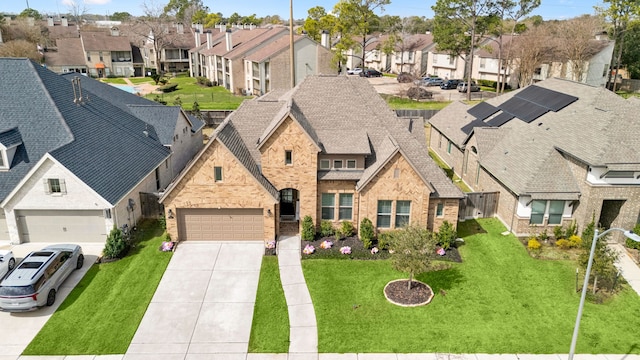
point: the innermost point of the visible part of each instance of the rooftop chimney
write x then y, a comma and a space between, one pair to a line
64, 21
223, 27
325, 39
196, 35
49, 20
208, 32
227, 37
180, 28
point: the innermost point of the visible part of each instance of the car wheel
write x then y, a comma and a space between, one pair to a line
51, 297
80, 261
12, 263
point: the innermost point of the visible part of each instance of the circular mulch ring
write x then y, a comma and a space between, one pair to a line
397, 293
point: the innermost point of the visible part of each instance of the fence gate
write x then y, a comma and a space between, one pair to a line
150, 207
478, 205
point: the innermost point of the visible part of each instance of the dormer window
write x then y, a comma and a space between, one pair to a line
9, 142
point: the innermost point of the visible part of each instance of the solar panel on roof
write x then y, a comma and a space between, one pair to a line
475, 123
550, 99
483, 110
500, 119
523, 109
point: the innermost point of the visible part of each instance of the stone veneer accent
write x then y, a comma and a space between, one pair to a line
238, 189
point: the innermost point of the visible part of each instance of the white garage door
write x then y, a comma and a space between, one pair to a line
61, 226
220, 224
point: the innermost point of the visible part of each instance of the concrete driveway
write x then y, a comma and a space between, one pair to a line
18, 329
203, 304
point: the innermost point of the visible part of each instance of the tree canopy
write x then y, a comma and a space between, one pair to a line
30, 13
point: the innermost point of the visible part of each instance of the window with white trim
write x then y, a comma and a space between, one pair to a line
440, 210
328, 206
345, 210
55, 186
325, 164
403, 211
384, 214
351, 164
107, 213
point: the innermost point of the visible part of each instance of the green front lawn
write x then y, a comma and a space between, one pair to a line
499, 300
141, 80
118, 81
404, 103
208, 98
102, 313
270, 327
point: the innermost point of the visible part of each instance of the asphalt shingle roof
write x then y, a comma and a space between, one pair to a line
102, 145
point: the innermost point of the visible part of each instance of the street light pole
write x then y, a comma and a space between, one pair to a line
596, 235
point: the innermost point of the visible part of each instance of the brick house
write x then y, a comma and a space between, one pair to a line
557, 152
330, 148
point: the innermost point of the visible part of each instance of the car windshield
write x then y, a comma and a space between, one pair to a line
17, 290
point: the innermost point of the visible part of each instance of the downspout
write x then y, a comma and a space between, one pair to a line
513, 213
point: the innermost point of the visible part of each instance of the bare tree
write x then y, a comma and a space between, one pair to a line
154, 28
576, 42
529, 50
77, 10
20, 48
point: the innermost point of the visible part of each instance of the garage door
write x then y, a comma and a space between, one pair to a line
220, 224
61, 225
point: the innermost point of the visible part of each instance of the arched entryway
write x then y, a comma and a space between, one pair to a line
289, 211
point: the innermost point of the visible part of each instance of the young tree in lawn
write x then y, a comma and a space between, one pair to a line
413, 246
604, 257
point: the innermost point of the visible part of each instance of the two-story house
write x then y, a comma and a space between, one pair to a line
78, 159
330, 148
107, 53
557, 152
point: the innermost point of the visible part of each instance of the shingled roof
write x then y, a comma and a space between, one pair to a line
598, 129
102, 145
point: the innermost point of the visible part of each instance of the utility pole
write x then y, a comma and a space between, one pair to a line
291, 56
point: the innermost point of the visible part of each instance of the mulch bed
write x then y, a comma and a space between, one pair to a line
396, 292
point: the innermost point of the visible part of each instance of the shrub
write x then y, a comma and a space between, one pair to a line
632, 244
575, 241
385, 239
326, 228
116, 245
201, 80
446, 235
347, 229
572, 229
308, 231
366, 231
177, 101
418, 93
533, 244
158, 99
405, 77
163, 223
338, 234
558, 232
563, 244
543, 236
168, 88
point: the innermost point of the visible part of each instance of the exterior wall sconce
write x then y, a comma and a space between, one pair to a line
170, 214
269, 212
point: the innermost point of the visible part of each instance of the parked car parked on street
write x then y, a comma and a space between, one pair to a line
462, 87
370, 73
450, 84
35, 281
7, 262
354, 71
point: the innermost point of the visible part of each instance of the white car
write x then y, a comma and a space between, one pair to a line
354, 71
7, 262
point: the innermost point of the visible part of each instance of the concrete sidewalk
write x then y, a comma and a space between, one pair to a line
303, 333
628, 268
203, 307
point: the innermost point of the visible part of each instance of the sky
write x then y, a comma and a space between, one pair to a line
549, 9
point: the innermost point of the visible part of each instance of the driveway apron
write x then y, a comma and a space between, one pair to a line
203, 305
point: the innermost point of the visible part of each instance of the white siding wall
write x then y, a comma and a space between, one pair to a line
183, 150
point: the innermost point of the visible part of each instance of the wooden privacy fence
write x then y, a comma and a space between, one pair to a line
478, 205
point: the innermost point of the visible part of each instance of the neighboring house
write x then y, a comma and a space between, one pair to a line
174, 55
66, 56
267, 68
486, 60
445, 65
330, 148
256, 60
76, 160
557, 152
107, 53
411, 54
